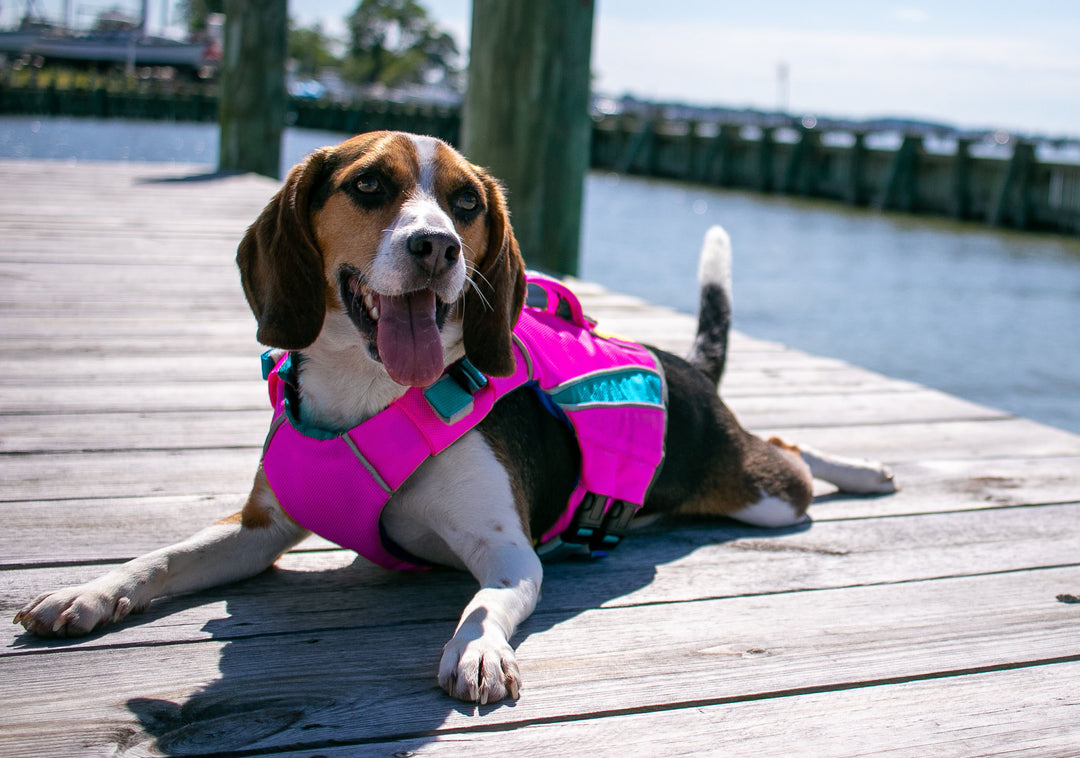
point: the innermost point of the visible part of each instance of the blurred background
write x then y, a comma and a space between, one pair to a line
901, 181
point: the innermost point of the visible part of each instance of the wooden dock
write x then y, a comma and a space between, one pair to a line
938, 621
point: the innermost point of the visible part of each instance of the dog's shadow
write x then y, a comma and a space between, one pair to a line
349, 655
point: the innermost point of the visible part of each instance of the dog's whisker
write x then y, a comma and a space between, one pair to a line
479, 293
471, 282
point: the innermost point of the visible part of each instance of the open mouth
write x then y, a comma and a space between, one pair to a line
402, 331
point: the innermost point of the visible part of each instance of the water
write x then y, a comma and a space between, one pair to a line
88, 139
988, 315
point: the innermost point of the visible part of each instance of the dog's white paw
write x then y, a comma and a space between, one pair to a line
855, 475
872, 478
479, 670
72, 611
861, 477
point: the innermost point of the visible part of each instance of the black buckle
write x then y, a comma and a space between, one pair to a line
598, 529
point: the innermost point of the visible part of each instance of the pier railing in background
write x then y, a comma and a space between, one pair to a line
91, 95
1015, 184
86, 94
1006, 184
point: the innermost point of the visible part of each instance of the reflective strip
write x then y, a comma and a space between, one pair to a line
525, 353
366, 463
274, 426
663, 437
621, 386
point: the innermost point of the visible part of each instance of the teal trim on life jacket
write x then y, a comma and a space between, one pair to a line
286, 374
453, 393
269, 360
632, 386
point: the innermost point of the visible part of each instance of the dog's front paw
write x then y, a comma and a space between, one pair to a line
72, 611
480, 670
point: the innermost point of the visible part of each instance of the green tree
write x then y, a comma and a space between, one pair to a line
196, 11
310, 47
395, 42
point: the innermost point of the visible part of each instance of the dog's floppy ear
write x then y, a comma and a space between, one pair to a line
281, 267
493, 302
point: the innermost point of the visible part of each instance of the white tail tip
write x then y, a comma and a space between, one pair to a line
715, 263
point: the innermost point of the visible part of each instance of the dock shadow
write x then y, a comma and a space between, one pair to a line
295, 674
209, 176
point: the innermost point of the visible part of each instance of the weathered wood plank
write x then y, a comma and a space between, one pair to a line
119, 528
119, 331
137, 369
167, 396
125, 474
229, 470
739, 649
114, 390
917, 442
65, 368
682, 564
920, 718
219, 427
951, 485
126, 287
194, 392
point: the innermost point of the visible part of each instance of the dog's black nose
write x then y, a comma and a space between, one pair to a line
437, 245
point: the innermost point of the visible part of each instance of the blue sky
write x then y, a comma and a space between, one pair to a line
987, 63
975, 63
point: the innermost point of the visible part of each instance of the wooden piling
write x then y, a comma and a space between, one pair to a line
800, 176
855, 193
961, 200
253, 97
899, 191
640, 150
766, 147
526, 117
1012, 205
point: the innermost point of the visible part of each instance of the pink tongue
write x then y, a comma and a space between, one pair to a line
408, 338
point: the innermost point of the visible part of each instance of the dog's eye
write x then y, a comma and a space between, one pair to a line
467, 201
369, 184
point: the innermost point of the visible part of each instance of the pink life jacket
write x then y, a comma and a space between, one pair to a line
611, 392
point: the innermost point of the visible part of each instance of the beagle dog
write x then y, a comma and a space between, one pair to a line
379, 264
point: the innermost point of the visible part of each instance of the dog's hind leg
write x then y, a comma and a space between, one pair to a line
855, 475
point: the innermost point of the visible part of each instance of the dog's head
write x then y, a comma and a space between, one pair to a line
393, 238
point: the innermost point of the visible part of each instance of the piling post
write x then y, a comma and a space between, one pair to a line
640, 149
1012, 204
252, 105
526, 117
690, 170
766, 146
800, 175
899, 192
854, 193
961, 189
728, 174
706, 158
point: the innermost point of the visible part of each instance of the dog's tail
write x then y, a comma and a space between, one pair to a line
714, 317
